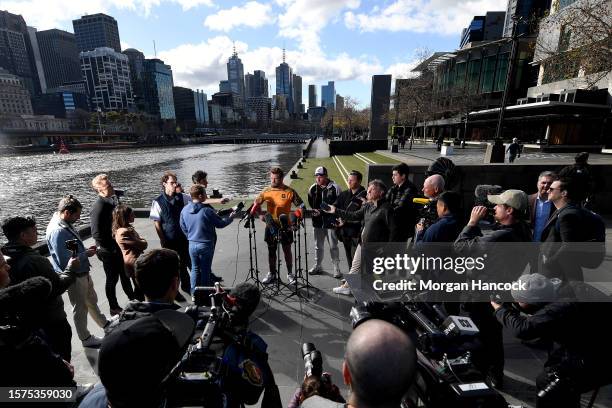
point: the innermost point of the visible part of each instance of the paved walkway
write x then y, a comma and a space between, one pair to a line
424, 154
286, 324
320, 149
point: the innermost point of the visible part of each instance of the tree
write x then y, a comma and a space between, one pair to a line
576, 42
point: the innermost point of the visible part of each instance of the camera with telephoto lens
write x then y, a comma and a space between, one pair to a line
480, 198
446, 375
313, 360
73, 245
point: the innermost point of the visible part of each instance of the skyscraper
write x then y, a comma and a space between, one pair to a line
381, 95
136, 62
284, 83
339, 102
312, 96
107, 75
158, 83
16, 51
328, 95
297, 94
256, 84
191, 108
95, 31
235, 75
14, 97
60, 57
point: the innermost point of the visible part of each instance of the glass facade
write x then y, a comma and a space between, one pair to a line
488, 74
501, 71
158, 83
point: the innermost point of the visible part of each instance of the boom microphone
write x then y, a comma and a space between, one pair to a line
27, 295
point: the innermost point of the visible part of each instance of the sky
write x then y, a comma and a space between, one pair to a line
346, 41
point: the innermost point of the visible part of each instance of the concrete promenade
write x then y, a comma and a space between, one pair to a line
286, 324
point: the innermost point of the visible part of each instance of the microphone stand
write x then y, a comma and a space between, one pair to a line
253, 271
299, 272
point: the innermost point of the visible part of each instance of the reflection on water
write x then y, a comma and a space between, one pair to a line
33, 184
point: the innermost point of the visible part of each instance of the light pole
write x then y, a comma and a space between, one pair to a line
99, 110
514, 39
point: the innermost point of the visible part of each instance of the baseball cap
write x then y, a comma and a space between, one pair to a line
538, 289
138, 354
321, 171
516, 199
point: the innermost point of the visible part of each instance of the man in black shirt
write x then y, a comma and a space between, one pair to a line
400, 198
351, 200
101, 219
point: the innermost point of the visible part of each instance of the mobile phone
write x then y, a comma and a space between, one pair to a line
324, 206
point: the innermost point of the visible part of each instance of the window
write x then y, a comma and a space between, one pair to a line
473, 75
488, 74
502, 71
460, 83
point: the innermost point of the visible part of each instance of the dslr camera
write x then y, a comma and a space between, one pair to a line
73, 245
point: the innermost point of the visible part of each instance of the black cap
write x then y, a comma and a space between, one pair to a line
247, 295
138, 354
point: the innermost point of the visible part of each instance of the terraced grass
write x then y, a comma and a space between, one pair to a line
380, 159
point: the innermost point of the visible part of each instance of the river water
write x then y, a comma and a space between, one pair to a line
33, 184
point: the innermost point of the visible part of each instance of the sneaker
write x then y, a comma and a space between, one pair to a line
291, 279
342, 290
337, 273
315, 270
270, 278
92, 342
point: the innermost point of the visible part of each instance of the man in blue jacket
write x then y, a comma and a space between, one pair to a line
81, 293
198, 222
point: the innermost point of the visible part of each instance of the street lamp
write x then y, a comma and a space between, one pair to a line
99, 110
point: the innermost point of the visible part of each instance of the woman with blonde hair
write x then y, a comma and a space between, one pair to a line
130, 243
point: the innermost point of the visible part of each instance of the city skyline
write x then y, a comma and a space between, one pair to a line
338, 41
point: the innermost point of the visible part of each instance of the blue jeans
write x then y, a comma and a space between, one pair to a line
201, 254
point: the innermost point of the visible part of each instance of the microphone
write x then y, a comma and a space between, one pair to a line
284, 221
421, 201
271, 224
247, 213
295, 220
27, 295
299, 213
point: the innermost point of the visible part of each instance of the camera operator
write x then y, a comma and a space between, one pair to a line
351, 200
510, 213
26, 263
81, 293
581, 362
136, 357
108, 252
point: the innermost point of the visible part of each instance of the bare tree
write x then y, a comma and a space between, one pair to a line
576, 42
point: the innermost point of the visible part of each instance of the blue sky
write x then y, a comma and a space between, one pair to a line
347, 41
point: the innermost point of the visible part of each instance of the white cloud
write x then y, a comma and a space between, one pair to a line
203, 65
304, 19
251, 14
447, 17
47, 14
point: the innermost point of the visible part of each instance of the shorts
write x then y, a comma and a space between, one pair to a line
286, 237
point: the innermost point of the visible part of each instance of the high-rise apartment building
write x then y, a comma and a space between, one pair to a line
191, 108
297, 94
328, 95
158, 83
107, 75
256, 84
14, 97
96, 31
60, 57
312, 96
136, 62
16, 51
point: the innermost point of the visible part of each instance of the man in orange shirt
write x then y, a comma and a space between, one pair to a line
278, 198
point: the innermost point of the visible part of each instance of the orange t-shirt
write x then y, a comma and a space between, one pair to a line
278, 200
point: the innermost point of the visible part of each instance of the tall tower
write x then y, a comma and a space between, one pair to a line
95, 31
235, 75
284, 83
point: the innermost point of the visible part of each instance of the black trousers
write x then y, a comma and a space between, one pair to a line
350, 245
115, 271
182, 248
58, 335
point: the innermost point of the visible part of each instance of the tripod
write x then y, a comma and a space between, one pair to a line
297, 286
253, 269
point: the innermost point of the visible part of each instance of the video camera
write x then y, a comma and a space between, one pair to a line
313, 360
197, 378
428, 212
480, 198
446, 376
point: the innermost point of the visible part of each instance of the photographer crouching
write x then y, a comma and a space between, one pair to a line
581, 362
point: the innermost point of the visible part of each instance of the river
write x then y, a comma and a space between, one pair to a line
33, 184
